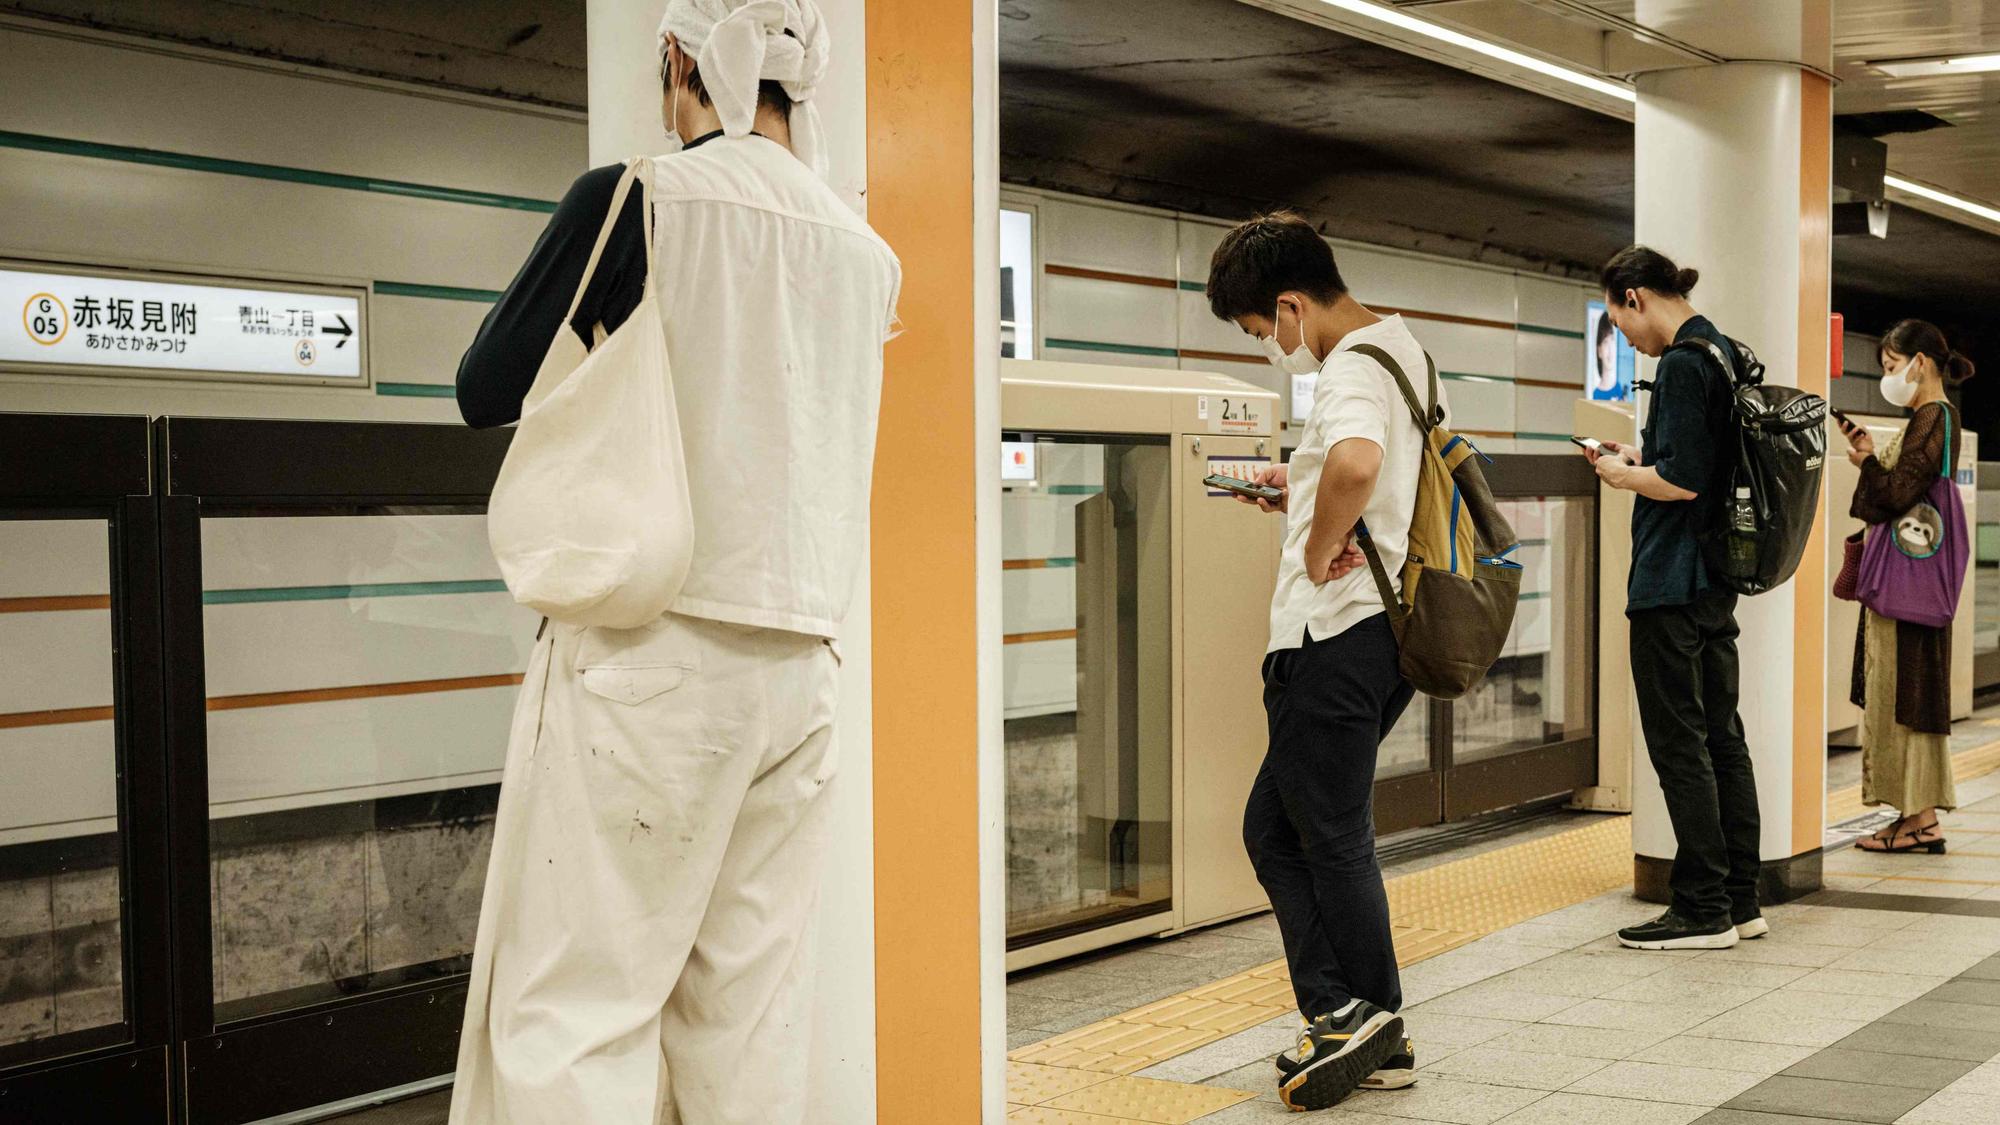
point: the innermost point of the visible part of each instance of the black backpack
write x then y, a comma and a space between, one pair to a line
1780, 457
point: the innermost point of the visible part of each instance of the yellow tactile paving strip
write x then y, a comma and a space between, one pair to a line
1079, 1078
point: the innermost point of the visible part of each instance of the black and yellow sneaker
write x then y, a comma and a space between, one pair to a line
1337, 1054
1398, 1073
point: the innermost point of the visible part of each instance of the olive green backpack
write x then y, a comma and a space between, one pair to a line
1459, 587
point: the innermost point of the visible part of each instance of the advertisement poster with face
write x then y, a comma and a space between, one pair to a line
1609, 361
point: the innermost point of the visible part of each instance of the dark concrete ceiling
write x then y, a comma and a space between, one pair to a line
1220, 108
525, 50
1223, 109
1934, 270
1209, 106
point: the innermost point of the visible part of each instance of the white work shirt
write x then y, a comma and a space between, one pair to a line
777, 298
1355, 398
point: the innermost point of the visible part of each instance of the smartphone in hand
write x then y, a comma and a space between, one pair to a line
1244, 488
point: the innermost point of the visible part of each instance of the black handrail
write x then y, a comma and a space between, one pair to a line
99, 468
387, 1036
278, 463
83, 459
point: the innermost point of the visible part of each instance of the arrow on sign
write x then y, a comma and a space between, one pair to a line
343, 331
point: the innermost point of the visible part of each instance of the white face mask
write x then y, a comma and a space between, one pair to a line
675, 142
1299, 361
1898, 387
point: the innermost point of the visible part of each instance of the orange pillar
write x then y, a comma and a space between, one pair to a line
1809, 639
922, 187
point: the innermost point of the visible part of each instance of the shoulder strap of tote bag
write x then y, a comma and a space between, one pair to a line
635, 171
1945, 467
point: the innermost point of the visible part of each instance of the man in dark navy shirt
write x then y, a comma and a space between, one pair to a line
1683, 621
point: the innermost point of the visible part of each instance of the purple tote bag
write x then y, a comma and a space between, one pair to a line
1913, 569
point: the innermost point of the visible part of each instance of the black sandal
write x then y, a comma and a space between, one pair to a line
1934, 847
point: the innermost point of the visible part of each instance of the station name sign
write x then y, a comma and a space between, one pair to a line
148, 324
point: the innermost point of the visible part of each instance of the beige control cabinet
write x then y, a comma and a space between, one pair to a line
1617, 709
1168, 699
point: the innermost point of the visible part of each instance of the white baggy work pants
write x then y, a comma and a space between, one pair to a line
645, 952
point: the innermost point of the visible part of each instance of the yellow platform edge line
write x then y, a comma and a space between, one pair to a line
1432, 911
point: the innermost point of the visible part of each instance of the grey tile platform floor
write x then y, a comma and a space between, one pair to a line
1884, 1008
1843, 1014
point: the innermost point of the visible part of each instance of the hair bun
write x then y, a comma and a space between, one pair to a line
1958, 368
1685, 279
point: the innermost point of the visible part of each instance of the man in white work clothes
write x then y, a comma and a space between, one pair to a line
644, 951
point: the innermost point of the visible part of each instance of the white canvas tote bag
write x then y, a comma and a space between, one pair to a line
590, 518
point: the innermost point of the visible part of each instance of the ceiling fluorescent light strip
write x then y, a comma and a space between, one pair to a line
1990, 214
1405, 22
1937, 65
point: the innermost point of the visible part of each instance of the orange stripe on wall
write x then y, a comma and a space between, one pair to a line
21, 719
1815, 354
924, 559
1105, 275
1031, 638
1444, 318
358, 691
55, 604
1222, 357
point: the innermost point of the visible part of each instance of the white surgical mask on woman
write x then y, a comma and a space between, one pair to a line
1299, 361
1898, 386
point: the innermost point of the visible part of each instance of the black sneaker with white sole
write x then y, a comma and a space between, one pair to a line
1749, 923
1398, 1073
1337, 1053
1672, 931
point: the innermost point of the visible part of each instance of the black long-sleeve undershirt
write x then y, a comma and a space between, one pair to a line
500, 366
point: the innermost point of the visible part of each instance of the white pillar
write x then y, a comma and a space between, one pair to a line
1728, 181
625, 96
623, 79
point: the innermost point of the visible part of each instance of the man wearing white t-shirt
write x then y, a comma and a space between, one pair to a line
1332, 689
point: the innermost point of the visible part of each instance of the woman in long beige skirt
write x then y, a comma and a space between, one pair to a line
1902, 672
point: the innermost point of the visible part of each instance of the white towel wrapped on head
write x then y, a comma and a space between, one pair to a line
738, 43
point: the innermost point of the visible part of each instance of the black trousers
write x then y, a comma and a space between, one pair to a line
1684, 667
1310, 824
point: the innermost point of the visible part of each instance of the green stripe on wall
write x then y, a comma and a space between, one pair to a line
417, 390
1075, 489
1565, 333
1117, 349
1525, 435
437, 292
1194, 286
345, 593
1533, 595
189, 162
1462, 377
